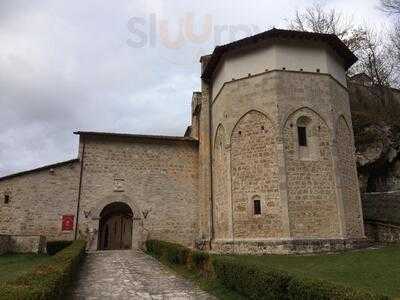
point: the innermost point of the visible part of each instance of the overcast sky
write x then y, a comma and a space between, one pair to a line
120, 66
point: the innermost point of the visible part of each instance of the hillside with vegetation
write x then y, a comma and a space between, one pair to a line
376, 124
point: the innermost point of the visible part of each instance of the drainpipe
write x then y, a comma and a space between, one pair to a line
80, 188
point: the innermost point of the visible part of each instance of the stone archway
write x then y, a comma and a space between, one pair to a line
115, 227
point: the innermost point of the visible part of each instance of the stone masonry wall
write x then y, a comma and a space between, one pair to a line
222, 205
28, 244
38, 200
204, 159
330, 100
382, 207
158, 176
22, 244
382, 216
382, 233
350, 192
313, 210
5, 243
255, 175
318, 211
293, 246
252, 103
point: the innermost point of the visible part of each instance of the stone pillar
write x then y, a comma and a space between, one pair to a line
205, 207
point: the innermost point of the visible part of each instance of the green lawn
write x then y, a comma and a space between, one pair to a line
14, 265
377, 270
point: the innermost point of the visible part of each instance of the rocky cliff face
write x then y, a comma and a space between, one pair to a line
376, 122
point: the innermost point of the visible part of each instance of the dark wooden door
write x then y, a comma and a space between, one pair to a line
117, 233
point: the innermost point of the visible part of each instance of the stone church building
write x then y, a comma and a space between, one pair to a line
267, 165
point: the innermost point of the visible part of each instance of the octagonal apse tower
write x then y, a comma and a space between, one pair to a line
276, 148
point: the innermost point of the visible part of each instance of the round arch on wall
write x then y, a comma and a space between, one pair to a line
115, 198
115, 227
303, 121
343, 118
220, 179
220, 133
307, 134
245, 115
292, 112
254, 169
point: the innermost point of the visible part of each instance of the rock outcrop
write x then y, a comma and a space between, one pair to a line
376, 122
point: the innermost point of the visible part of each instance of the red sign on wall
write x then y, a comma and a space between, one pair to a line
68, 222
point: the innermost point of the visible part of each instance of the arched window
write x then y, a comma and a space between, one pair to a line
307, 139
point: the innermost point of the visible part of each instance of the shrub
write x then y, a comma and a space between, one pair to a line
56, 246
177, 255
173, 253
48, 280
260, 282
200, 259
152, 246
253, 280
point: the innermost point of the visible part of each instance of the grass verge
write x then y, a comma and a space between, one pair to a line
377, 270
15, 265
47, 280
284, 277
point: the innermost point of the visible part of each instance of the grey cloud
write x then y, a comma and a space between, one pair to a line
67, 65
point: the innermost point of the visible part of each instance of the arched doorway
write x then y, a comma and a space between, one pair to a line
115, 230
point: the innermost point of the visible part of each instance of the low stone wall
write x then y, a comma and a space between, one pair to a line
382, 233
5, 244
306, 246
382, 216
382, 207
28, 244
22, 244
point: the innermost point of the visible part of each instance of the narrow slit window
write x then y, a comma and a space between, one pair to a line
302, 132
257, 207
6, 199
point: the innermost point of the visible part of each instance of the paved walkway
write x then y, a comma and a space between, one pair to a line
127, 274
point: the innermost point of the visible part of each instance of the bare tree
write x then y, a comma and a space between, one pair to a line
391, 7
376, 60
395, 50
395, 38
374, 51
318, 19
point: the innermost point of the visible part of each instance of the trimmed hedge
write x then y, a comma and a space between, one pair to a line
253, 280
49, 280
56, 246
200, 259
259, 282
173, 253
